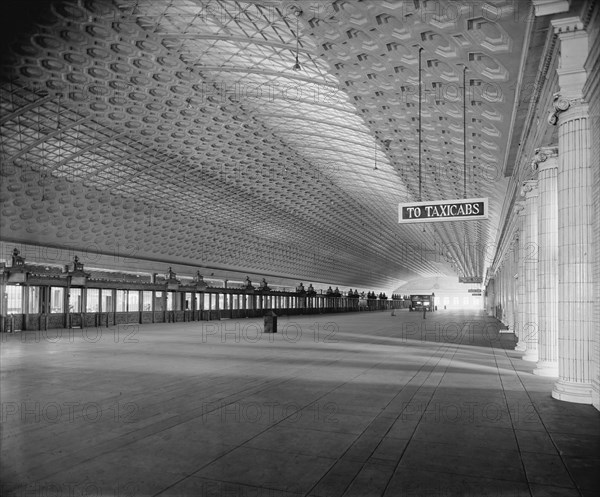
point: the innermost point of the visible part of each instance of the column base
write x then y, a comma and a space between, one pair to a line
531, 355
569, 391
521, 347
546, 368
596, 394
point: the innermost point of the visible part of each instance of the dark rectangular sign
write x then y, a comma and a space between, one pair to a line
474, 290
443, 210
470, 279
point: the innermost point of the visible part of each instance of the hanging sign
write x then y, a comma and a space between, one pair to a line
443, 210
470, 279
474, 290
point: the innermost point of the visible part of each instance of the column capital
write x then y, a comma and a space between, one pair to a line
519, 207
545, 158
573, 107
514, 241
529, 189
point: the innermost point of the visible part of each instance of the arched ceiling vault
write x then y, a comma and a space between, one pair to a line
180, 129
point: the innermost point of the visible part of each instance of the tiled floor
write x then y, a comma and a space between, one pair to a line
364, 404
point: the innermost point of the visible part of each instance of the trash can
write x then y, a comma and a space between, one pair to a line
270, 322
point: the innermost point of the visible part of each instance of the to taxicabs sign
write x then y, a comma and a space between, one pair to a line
443, 210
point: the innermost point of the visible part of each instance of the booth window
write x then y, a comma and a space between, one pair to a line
108, 304
92, 302
177, 301
57, 300
75, 300
147, 301
158, 301
121, 300
133, 301
15, 299
34, 300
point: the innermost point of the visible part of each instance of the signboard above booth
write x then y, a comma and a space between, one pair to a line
470, 279
443, 210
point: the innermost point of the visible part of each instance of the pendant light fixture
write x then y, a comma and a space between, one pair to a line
375, 167
420, 131
464, 132
298, 13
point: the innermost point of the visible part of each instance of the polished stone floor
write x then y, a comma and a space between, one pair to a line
365, 404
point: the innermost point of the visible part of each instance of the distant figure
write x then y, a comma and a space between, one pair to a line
424, 311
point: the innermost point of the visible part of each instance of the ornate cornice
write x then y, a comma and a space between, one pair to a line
549, 7
567, 24
574, 51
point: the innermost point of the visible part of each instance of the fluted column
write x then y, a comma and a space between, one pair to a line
546, 162
490, 297
530, 271
511, 285
575, 250
518, 307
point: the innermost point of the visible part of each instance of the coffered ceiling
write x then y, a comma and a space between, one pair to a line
180, 130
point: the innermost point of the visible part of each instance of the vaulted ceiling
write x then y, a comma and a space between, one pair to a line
180, 130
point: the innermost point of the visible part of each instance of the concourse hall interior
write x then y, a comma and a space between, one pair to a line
299, 248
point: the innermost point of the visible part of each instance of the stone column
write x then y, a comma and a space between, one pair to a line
518, 302
530, 271
510, 293
575, 250
546, 163
490, 296
501, 292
